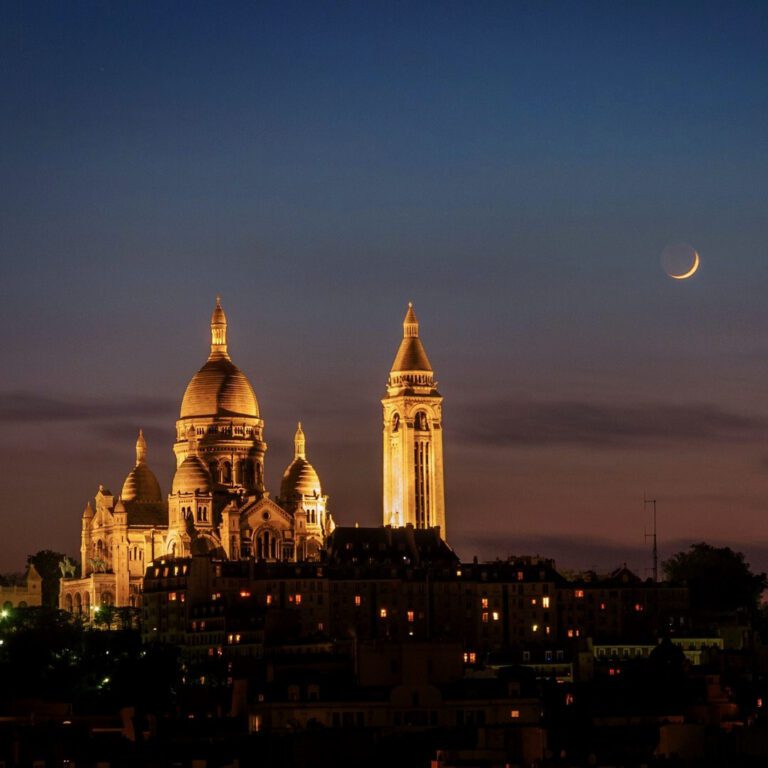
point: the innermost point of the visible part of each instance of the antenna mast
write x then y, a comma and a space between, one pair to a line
646, 502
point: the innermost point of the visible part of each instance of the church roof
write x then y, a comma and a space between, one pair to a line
411, 355
219, 388
141, 483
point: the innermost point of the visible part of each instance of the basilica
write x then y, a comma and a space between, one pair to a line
218, 504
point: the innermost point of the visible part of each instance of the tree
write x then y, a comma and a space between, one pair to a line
719, 579
46, 562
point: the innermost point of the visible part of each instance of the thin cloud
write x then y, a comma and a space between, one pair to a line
603, 426
24, 408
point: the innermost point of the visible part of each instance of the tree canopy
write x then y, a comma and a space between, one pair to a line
719, 579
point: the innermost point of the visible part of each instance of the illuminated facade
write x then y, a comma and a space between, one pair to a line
218, 504
413, 437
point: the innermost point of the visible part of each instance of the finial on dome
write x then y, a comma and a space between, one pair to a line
300, 443
410, 323
219, 331
141, 448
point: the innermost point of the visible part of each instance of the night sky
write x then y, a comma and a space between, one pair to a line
515, 169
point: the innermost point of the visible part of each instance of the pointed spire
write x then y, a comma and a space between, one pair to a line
410, 323
300, 444
141, 448
219, 331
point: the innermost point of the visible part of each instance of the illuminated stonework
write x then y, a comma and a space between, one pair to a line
217, 505
413, 437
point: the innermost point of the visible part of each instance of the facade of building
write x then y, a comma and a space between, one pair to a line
413, 437
217, 505
28, 594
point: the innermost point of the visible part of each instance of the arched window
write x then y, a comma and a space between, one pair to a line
87, 603
68, 603
78, 604
226, 473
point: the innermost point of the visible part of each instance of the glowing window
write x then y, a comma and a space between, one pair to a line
244, 593
411, 616
298, 599
533, 601
269, 599
545, 602
484, 602
383, 613
535, 627
358, 600
514, 714
171, 596
485, 617
579, 594
495, 615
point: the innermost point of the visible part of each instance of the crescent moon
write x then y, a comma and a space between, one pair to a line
691, 271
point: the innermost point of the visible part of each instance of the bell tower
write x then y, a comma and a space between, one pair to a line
413, 437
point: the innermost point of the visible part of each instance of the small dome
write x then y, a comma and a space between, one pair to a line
141, 483
191, 476
219, 388
300, 479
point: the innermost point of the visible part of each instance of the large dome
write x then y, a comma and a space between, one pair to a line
219, 388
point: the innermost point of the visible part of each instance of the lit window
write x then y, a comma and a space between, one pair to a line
570, 633
171, 597
244, 593
568, 699
298, 599
545, 602
547, 630
520, 575
535, 627
458, 573
472, 657
495, 615
533, 601
639, 607
578, 593
484, 602
411, 616
602, 606
485, 617
320, 626
216, 596
514, 714
269, 599
383, 613
358, 600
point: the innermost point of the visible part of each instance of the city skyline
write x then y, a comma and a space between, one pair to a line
320, 168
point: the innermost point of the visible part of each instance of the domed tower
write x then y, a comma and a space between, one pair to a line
141, 484
190, 503
413, 437
220, 406
302, 496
